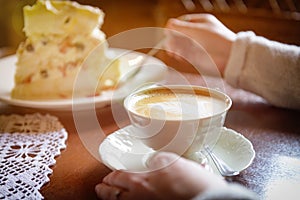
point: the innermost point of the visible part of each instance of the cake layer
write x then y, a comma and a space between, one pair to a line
82, 83
52, 56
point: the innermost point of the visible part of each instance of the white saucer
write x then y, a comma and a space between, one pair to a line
121, 151
147, 75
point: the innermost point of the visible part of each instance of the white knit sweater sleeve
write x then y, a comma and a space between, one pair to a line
232, 192
267, 68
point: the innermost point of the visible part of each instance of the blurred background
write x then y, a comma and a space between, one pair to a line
275, 19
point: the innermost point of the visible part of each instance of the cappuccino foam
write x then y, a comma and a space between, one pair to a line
176, 106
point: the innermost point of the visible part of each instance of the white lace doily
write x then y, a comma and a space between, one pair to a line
28, 147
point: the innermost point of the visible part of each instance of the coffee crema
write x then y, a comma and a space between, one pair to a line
176, 105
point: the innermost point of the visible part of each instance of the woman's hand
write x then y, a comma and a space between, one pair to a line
202, 40
169, 177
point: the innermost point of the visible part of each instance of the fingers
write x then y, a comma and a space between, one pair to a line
121, 179
114, 186
190, 20
186, 23
123, 185
198, 18
176, 27
104, 191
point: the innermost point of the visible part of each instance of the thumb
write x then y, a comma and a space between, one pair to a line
161, 159
181, 25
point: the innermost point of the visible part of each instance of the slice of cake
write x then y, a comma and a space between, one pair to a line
63, 41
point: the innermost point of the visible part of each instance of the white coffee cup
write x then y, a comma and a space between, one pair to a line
177, 118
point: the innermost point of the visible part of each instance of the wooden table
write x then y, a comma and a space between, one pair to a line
274, 133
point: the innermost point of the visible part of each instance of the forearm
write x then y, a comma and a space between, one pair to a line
267, 68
